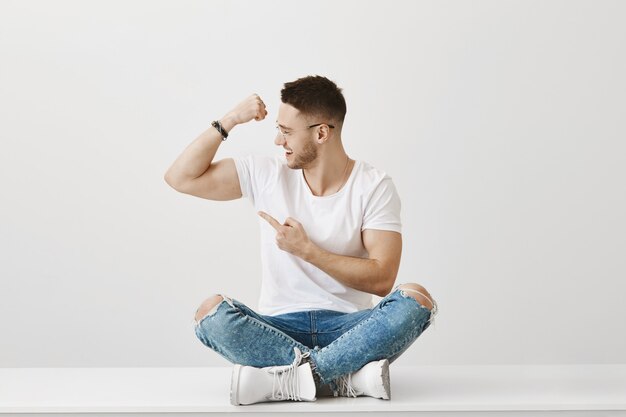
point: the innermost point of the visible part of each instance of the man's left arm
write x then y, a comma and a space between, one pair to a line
375, 274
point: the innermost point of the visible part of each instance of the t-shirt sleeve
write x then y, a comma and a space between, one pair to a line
382, 210
255, 175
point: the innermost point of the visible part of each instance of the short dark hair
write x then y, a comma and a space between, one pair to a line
315, 96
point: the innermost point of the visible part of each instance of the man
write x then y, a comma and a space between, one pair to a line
330, 238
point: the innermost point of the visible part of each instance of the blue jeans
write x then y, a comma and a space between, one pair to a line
339, 343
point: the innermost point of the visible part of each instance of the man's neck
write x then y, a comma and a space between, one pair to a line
328, 175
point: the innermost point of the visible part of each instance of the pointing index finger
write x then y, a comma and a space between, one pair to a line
272, 221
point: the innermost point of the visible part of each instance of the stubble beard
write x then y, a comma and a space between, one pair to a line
308, 155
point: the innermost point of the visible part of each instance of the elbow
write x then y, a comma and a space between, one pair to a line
385, 285
169, 180
385, 278
384, 292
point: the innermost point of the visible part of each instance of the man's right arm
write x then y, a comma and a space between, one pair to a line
194, 171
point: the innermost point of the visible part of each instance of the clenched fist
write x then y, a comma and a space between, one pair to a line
251, 108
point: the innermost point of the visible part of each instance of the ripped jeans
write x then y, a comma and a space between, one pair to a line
339, 343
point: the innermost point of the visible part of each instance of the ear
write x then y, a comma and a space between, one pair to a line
323, 134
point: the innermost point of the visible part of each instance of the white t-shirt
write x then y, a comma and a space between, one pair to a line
368, 200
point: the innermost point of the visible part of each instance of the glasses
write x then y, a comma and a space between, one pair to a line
285, 134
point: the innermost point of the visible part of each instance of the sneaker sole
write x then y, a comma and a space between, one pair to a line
385, 376
234, 385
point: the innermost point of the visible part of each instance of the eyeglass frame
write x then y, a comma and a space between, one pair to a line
299, 130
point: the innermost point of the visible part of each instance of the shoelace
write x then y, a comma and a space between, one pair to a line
345, 386
286, 385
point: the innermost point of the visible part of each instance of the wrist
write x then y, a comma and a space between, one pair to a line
311, 252
228, 122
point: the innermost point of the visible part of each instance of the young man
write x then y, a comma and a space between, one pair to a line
330, 238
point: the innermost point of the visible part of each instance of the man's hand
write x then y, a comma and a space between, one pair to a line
290, 236
251, 108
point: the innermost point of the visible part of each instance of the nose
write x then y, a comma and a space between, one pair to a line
279, 139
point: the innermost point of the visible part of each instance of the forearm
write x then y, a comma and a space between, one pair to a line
197, 157
359, 273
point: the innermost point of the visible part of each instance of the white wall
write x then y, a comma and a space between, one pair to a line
501, 123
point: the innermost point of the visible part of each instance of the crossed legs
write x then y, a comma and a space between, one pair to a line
386, 331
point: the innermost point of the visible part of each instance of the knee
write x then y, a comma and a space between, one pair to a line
419, 293
208, 305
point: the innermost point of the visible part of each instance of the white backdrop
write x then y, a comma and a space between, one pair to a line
501, 123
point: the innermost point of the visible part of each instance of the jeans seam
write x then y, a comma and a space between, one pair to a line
407, 340
313, 328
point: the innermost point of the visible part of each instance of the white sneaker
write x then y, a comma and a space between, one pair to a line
251, 385
371, 380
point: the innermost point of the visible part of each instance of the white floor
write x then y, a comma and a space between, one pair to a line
589, 390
